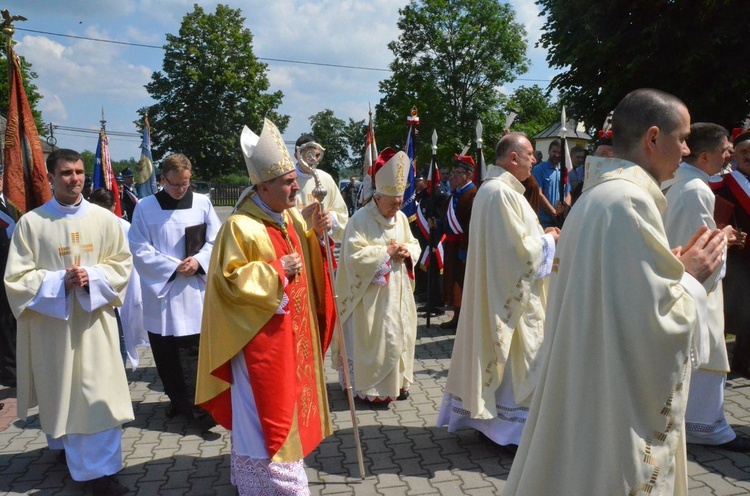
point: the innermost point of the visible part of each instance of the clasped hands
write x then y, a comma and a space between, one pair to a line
292, 264
188, 267
76, 277
398, 252
703, 254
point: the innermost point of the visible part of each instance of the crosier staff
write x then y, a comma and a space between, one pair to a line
310, 154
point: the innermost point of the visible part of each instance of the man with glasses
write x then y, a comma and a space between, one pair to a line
456, 229
171, 238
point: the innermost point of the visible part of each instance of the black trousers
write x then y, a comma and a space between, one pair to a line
7, 348
176, 360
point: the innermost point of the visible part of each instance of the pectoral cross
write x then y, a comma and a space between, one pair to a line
76, 248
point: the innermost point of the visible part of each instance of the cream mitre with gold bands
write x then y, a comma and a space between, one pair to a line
266, 157
390, 180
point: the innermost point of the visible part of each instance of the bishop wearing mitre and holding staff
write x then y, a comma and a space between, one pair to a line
267, 321
375, 286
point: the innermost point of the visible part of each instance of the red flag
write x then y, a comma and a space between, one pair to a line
433, 176
104, 176
368, 174
25, 184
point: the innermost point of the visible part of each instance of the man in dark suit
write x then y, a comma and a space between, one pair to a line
8, 217
129, 198
456, 229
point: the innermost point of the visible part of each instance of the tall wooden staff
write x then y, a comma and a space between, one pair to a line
310, 154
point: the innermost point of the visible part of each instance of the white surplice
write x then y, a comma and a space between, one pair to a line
172, 303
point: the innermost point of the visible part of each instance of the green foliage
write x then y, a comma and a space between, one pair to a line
535, 110
32, 92
232, 180
343, 141
451, 58
211, 84
329, 132
89, 158
690, 49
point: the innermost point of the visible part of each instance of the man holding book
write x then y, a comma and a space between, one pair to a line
171, 238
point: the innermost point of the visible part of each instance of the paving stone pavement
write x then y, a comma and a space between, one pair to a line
404, 453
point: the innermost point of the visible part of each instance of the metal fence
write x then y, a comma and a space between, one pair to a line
225, 195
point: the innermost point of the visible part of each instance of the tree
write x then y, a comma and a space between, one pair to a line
450, 60
32, 92
211, 84
355, 134
690, 49
344, 142
329, 132
535, 110
89, 159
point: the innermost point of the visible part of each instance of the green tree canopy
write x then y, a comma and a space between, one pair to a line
32, 93
211, 84
329, 132
690, 49
451, 59
344, 142
535, 110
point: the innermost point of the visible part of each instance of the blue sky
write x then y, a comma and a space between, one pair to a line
77, 78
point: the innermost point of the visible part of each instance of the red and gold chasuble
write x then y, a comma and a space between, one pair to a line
283, 352
286, 395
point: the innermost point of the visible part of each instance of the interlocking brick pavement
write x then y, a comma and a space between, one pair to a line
404, 453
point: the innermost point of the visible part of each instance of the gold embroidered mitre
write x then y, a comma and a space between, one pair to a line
266, 157
390, 180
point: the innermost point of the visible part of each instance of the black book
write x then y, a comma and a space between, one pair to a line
195, 238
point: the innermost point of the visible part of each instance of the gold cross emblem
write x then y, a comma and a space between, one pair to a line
76, 248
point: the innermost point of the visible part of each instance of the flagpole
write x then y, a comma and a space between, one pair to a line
480, 172
563, 166
430, 240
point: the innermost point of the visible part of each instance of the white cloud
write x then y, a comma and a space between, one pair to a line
53, 108
78, 77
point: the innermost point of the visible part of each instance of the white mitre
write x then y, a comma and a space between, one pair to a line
390, 180
266, 157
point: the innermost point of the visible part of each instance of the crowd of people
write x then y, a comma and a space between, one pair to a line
589, 317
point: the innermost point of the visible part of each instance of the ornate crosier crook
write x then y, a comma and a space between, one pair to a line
309, 155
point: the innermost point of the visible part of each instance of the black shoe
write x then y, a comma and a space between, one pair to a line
107, 486
403, 394
739, 444
425, 308
451, 324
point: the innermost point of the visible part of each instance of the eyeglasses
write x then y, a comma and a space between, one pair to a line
176, 186
456, 172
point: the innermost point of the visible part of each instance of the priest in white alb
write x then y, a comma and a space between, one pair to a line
68, 266
375, 288
608, 413
690, 204
171, 238
494, 361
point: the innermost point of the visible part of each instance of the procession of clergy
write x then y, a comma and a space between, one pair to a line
594, 352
